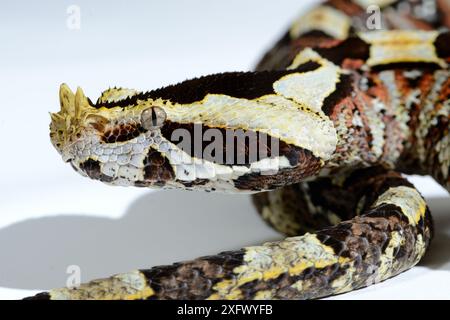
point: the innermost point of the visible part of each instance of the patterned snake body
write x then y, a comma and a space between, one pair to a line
331, 115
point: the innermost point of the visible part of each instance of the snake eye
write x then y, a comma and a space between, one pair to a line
153, 118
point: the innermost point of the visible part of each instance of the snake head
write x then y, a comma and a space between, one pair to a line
113, 140
184, 136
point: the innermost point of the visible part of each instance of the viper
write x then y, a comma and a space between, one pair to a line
354, 95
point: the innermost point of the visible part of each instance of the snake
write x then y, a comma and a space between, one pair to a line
321, 135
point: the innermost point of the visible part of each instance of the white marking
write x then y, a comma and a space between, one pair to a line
309, 88
323, 18
117, 94
380, 3
402, 46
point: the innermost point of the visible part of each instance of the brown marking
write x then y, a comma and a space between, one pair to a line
39, 296
245, 85
122, 133
444, 8
442, 45
344, 89
192, 280
232, 155
195, 183
92, 169
351, 48
307, 165
157, 169
349, 8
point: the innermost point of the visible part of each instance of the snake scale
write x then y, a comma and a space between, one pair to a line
337, 112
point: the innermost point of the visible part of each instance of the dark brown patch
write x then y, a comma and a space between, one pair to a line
296, 217
192, 280
92, 169
373, 182
157, 169
341, 201
246, 85
122, 133
247, 146
387, 211
344, 89
346, 6
406, 66
195, 183
39, 296
351, 48
436, 133
306, 165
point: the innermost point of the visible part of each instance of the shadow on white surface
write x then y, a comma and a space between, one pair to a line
158, 228
438, 256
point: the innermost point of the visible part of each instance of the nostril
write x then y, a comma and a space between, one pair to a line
66, 157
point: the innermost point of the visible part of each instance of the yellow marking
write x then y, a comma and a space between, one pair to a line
409, 200
145, 293
402, 46
234, 295
214, 296
127, 286
67, 123
250, 277
323, 18
387, 260
227, 289
117, 94
274, 272
224, 285
319, 264
241, 269
66, 100
300, 267
269, 261
263, 295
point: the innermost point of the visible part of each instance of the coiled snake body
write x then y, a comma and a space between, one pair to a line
335, 112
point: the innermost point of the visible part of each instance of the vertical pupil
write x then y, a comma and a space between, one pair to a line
154, 118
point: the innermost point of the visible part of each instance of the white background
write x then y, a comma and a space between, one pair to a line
51, 218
